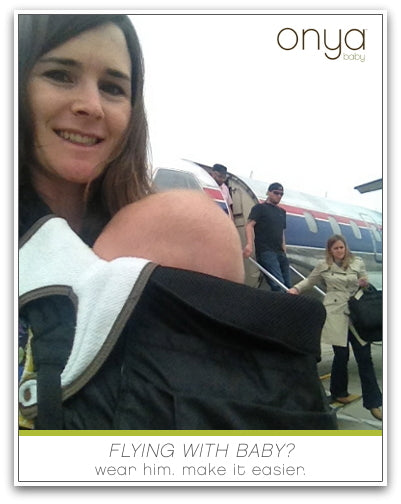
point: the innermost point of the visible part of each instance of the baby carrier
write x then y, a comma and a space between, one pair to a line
127, 344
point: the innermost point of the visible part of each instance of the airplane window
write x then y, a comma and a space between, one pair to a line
355, 229
334, 226
310, 220
172, 179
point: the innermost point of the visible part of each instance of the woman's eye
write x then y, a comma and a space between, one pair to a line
112, 89
58, 75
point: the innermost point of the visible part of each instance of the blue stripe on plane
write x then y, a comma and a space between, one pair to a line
223, 206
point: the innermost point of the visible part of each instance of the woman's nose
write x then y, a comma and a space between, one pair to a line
88, 101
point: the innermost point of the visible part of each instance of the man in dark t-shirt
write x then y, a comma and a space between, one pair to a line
265, 227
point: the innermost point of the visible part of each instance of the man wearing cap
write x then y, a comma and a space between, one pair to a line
265, 227
219, 173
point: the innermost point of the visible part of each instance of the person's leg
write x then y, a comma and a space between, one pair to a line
269, 260
285, 269
339, 372
182, 229
371, 394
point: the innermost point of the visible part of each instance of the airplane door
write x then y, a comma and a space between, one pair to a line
375, 237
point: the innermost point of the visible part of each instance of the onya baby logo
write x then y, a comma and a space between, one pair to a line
333, 43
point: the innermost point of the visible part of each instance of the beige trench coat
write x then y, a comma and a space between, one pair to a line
340, 285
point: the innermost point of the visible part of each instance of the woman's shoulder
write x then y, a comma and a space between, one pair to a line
31, 208
356, 262
320, 268
322, 265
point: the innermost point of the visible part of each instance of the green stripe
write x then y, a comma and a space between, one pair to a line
200, 433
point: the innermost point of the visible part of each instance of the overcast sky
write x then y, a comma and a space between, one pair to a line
220, 89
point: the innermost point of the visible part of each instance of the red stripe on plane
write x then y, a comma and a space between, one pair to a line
214, 193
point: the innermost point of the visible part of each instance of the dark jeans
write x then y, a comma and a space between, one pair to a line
277, 264
371, 394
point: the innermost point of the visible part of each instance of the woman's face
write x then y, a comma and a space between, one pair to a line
80, 98
338, 250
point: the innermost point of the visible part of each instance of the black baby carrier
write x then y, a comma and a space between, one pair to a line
127, 344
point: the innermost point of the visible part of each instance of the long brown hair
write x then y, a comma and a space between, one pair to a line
348, 257
126, 177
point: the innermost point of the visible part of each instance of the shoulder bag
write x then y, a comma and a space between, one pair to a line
366, 313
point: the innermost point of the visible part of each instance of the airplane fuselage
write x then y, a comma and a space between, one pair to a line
311, 220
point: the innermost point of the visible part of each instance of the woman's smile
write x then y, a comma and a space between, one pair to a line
78, 138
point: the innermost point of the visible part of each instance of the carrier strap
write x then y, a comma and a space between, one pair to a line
77, 306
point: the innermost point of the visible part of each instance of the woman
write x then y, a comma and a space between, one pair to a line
114, 336
98, 194
343, 274
83, 147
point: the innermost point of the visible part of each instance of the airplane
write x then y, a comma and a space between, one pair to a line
183, 174
311, 220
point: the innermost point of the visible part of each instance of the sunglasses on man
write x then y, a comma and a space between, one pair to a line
278, 193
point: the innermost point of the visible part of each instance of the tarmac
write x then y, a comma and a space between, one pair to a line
353, 416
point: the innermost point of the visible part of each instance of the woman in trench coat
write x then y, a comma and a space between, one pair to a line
343, 274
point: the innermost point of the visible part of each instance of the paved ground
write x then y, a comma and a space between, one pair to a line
354, 415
